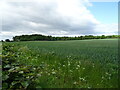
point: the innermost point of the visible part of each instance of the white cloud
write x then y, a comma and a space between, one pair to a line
104, 0
49, 17
106, 29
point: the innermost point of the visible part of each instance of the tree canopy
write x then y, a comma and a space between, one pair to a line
39, 37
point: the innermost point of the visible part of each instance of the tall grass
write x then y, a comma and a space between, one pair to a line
72, 64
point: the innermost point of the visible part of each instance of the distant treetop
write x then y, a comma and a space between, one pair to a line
40, 37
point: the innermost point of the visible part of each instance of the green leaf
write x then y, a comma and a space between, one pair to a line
14, 82
25, 83
4, 85
5, 77
7, 66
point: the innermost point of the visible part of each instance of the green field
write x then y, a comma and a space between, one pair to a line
70, 64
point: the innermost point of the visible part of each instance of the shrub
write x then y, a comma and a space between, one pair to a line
16, 75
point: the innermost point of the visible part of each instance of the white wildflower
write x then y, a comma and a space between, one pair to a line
21, 72
107, 73
34, 68
82, 79
48, 74
89, 87
38, 74
75, 83
78, 65
83, 68
102, 77
68, 64
71, 71
63, 65
53, 73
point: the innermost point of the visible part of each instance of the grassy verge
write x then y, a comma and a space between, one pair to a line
48, 70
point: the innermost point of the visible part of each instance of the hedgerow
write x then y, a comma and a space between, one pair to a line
16, 75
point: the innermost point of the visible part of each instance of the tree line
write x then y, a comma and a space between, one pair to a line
39, 37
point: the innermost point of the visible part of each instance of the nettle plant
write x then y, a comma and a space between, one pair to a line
16, 75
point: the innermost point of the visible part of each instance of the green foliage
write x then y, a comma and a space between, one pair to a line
39, 37
16, 75
7, 40
61, 64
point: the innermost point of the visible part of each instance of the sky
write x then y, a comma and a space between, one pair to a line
58, 18
105, 12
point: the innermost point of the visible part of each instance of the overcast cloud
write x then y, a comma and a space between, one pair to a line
51, 17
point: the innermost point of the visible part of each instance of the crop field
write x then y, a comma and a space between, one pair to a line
64, 64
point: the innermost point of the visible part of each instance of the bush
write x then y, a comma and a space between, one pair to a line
7, 40
16, 75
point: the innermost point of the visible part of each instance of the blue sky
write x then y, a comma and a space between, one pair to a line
58, 18
105, 12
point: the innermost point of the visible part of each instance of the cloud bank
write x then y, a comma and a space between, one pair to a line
51, 17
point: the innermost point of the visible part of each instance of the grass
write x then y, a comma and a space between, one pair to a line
72, 64
0, 47
0, 65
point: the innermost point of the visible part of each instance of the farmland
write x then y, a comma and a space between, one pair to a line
68, 64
